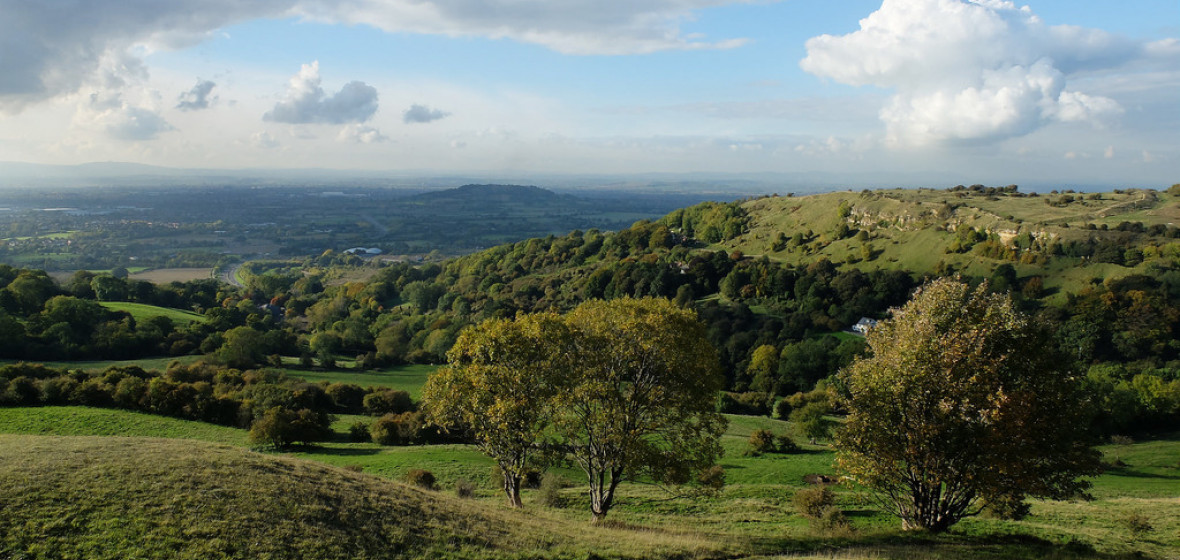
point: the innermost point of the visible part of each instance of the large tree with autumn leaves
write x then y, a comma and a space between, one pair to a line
961, 402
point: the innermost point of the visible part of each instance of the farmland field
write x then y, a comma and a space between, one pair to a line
141, 312
167, 275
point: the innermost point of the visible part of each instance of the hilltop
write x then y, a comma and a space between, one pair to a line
494, 194
1067, 238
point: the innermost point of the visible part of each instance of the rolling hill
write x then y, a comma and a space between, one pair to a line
1067, 238
129, 497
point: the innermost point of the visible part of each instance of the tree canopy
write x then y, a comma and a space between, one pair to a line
625, 388
963, 402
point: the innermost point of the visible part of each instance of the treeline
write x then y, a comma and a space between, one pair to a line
225, 396
40, 320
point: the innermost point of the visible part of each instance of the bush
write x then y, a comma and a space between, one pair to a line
753, 404
765, 441
280, 427
761, 441
831, 521
712, 478
396, 429
1138, 525
388, 402
811, 502
359, 432
421, 478
464, 488
549, 493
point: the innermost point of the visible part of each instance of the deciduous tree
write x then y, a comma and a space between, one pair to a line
500, 385
639, 400
962, 402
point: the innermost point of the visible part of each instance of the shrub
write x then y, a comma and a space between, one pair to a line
712, 478
396, 429
464, 488
1138, 525
753, 404
359, 432
831, 521
811, 502
549, 493
765, 441
421, 478
761, 441
388, 402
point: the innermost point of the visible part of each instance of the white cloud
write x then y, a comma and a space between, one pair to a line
306, 101
197, 98
111, 115
422, 114
971, 70
361, 134
608, 27
52, 48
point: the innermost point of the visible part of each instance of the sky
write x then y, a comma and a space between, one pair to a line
866, 92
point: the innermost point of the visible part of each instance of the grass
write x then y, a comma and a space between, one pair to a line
84, 421
142, 312
753, 516
148, 364
168, 275
908, 229
405, 378
99, 498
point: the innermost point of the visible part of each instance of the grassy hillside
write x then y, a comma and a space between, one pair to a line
155, 483
142, 312
915, 229
85, 421
92, 497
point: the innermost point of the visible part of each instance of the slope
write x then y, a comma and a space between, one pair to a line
103, 497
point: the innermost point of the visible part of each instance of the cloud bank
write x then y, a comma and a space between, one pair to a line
307, 103
970, 71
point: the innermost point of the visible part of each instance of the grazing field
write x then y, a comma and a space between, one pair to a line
408, 378
143, 311
752, 517
148, 364
85, 421
167, 275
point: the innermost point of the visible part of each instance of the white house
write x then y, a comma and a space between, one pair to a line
864, 324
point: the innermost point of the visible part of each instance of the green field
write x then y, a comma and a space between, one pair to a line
143, 312
752, 517
148, 364
405, 378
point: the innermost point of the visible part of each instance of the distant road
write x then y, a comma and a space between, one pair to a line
230, 276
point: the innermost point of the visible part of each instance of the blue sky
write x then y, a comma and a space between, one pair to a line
866, 92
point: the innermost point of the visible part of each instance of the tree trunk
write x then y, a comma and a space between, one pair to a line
512, 489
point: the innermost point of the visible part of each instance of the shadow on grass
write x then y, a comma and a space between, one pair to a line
341, 451
919, 545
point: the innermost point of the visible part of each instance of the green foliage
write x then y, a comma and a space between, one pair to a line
962, 400
811, 502
280, 427
549, 492
421, 478
640, 398
500, 386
